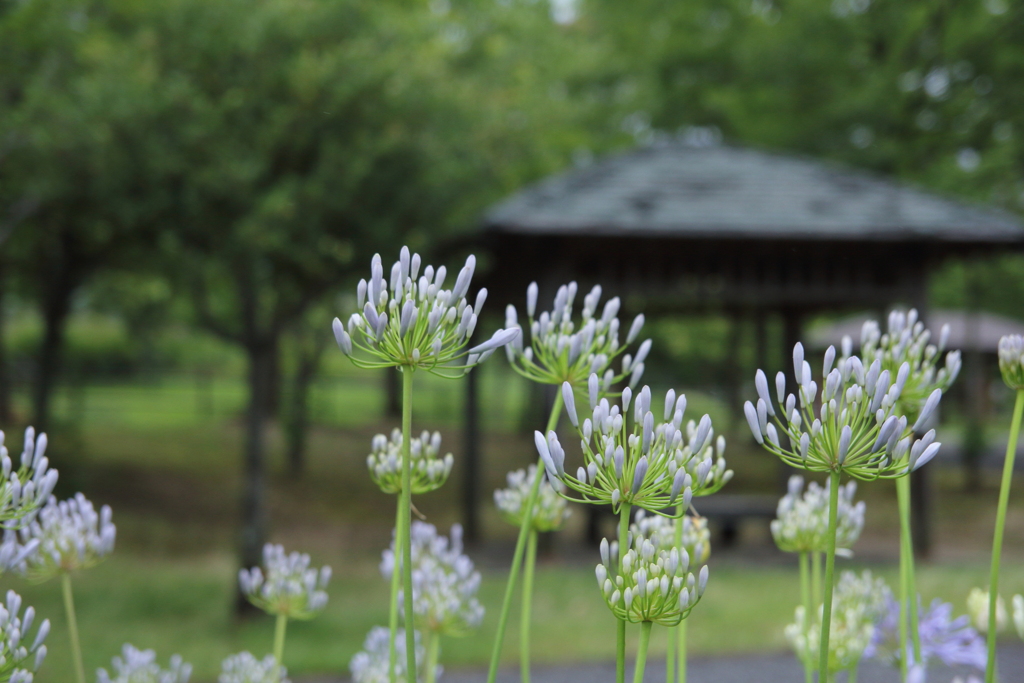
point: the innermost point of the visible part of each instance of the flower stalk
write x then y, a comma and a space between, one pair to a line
805, 597
527, 597
517, 556
406, 498
830, 565
641, 652
620, 633
280, 626
997, 541
69, 611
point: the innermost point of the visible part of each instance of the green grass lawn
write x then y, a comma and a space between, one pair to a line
183, 606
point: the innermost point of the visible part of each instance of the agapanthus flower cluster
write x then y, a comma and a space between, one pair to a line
977, 609
649, 465
417, 323
139, 666
290, 586
551, 509
661, 530
648, 583
561, 350
370, 665
444, 583
14, 554
1011, 360
429, 470
951, 641
856, 430
245, 668
801, 524
19, 656
858, 603
907, 341
24, 489
71, 536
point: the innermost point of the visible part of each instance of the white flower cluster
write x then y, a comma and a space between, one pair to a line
859, 602
857, 429
661, 530
444, 583
417, 323
429, 472
801, 525
907, 341
290, 588
563, 351
977, 609
19, 657
370, 665
13, 554
70, 536
139, 666
649, 584
1011, 360
551, 510
25, 489
651, 465
245, 668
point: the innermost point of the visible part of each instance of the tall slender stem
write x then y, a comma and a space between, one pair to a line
670, 655
279, 630
641, 651
852, 678
524, 617
681, 647
816, 591
433, 649
410, 632
830, 566
396, 578
517, 556
805, 597
910, 637
69, 610
997, 541
620, 633
679, 633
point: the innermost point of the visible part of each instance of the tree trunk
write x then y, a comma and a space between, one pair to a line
254, 495
5, 384
298, 414
56, 307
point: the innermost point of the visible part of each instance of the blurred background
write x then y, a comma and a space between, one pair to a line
190, 189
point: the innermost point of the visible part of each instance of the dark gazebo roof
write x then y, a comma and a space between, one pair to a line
685, 228
672, 189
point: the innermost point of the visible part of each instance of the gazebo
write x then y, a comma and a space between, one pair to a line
682, 229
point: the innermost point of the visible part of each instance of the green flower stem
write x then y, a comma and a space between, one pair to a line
517, 558
830, 568
805, 596
279, 630
524, 617
69, 609
852, 678
997, 541
680, 631
410, 632
393, 607
681, 647
620, 634
670, 656
433, 649
815, 579
641, 652
909, 631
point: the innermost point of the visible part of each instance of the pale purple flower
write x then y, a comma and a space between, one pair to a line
954, 642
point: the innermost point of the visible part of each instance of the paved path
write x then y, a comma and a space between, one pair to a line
775, 668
